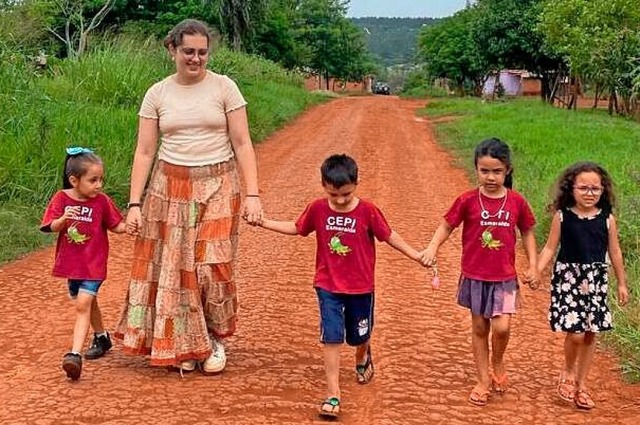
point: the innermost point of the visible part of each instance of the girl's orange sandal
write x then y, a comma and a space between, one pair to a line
499, 384
330, 408
583, 400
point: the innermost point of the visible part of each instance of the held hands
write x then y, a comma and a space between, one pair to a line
252, 210
134, 221
531, 278
428, 257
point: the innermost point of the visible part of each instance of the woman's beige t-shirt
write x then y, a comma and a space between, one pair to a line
192, 118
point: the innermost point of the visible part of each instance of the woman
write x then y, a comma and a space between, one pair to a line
182, 295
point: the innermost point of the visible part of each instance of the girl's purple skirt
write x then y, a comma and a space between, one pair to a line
488, 299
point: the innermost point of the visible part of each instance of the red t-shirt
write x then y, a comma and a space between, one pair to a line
489, 235
345, 251
83, 244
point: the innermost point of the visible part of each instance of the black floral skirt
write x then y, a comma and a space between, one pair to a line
579, 298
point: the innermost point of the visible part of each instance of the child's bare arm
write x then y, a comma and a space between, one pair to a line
429, 254
550, 248
615, 253
284, 227
120, 227
396, 241
529, 242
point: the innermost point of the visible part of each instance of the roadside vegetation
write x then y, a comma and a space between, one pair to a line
571, 46
545, 140
93, 102
74, 73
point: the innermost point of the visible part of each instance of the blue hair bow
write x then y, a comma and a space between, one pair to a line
77, 150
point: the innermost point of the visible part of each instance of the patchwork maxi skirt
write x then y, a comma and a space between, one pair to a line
182, 289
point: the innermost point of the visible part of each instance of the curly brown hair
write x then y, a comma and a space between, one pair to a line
563, 197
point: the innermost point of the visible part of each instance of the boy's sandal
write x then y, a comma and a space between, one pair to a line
566, 388
330, 408
583, 400
479, 397
364, 372
499, 384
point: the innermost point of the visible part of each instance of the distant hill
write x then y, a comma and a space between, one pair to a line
392, 41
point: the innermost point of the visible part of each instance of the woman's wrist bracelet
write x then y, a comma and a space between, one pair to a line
251, 196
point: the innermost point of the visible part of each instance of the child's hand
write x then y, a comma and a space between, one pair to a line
531, 278
428, 257
70, 212
256, 223
623, 294
133, 222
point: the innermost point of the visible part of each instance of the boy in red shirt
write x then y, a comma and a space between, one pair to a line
345, 228
81, 215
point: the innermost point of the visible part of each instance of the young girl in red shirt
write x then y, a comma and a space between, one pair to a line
81, 215
488, 286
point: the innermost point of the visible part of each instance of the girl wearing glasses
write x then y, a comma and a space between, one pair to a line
585, 229
81, 214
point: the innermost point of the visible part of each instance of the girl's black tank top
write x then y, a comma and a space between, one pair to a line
583, 240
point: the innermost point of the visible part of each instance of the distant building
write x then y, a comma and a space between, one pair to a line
516, 82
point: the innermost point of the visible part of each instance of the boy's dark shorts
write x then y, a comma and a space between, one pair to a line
345, 317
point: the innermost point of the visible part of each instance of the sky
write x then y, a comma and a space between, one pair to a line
404, 8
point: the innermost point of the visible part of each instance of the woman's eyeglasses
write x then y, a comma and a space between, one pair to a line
595, 190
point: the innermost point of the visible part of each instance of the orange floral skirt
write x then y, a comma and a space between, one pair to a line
182, 289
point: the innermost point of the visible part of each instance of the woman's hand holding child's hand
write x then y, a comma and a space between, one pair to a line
252, 211
133, 222
257, 222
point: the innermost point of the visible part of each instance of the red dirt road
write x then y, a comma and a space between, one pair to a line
421, 343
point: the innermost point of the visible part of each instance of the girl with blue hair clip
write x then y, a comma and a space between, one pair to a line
81, 214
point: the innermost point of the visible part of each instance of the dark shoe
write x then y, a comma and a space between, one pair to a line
72, 365
364, 372
99, 347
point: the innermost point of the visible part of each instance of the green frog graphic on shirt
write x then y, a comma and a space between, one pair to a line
336, 246
74, 236
488, 241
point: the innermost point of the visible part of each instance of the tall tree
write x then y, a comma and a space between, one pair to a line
320, 26
449, 51
350, 60
505, 34
275, 35
601, 41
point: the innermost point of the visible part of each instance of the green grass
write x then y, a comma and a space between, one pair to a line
544, 141
94, 102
